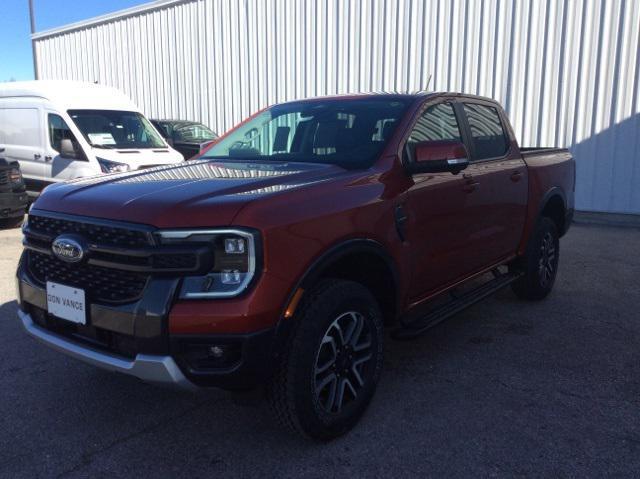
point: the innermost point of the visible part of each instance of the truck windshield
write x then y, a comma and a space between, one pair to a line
116, 129
350, 133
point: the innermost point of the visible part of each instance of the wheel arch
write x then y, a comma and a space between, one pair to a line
345, 261
554, 206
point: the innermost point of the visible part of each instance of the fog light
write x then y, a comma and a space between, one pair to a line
216, 351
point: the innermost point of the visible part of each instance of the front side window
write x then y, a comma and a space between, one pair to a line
58, 131
350, 132
116, 129
487, 134
437, 123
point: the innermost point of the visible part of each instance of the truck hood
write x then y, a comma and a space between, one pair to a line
190, 194
140, 158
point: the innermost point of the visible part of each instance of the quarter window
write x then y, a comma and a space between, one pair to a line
488, 135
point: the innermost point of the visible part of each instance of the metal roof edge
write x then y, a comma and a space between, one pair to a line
106, 18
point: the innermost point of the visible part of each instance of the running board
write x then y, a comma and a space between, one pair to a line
419, 326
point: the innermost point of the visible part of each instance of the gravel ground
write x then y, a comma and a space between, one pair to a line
506, 388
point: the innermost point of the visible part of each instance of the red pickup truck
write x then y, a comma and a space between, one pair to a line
278, 258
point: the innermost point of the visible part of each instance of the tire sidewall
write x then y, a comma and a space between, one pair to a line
531, 286
315, 320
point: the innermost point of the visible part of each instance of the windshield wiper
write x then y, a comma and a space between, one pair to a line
106, 147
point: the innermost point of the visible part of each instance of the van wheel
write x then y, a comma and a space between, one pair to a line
11, 222
332, 363
540, 263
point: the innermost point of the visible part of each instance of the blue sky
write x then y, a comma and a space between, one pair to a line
15, 45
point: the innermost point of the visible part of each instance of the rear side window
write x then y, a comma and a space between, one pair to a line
19, 126
488, 135
58, 131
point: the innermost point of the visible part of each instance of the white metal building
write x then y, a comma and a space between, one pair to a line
567, 71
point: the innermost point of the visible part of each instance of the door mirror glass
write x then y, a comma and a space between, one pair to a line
67, 149
439, 156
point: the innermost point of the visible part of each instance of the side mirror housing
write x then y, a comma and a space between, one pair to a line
68, 150
439, 156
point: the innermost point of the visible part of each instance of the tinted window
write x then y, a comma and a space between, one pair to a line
58, 131
438, 122
350, 133
487, 134
193, 133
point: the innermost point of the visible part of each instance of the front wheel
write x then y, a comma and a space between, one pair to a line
331, 366
540, 263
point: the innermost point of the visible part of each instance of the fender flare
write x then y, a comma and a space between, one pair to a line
548, 196
324, 261
553, 191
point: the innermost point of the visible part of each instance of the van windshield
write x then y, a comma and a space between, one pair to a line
116, 129
347, 132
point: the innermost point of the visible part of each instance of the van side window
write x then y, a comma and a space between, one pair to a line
58, 131
20, 126
488, 135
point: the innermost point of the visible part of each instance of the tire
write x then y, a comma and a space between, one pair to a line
540, 263
10, 223
305, 392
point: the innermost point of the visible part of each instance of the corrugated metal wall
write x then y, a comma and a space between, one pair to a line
567, 71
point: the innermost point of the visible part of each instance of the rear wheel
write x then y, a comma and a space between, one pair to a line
540, 263
330, 369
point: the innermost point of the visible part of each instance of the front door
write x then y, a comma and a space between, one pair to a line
439, 225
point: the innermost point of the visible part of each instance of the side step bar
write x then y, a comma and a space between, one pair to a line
421, 325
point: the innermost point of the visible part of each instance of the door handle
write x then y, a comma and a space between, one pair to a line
36, 156
515, 177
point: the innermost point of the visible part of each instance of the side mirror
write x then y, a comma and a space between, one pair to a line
439, 156
67, 149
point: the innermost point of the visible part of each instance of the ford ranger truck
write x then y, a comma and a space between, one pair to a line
279, 257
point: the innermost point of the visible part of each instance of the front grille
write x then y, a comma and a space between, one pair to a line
101, 284
94, 233
4, 177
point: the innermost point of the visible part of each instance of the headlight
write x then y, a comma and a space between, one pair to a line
108, 166
15, 176
234, 263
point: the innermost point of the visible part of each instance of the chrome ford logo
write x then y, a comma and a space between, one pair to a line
68, 249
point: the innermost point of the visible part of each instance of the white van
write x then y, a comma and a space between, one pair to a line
61, 130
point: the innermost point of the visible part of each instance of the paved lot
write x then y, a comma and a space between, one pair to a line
506, 388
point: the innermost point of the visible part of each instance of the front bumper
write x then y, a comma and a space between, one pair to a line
154, 369
134, 339
13, 204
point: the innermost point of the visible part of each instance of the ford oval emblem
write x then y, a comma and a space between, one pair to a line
68, 249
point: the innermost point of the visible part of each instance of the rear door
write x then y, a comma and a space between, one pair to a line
496, 184
21, 136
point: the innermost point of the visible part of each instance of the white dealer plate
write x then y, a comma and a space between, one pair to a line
66, 302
